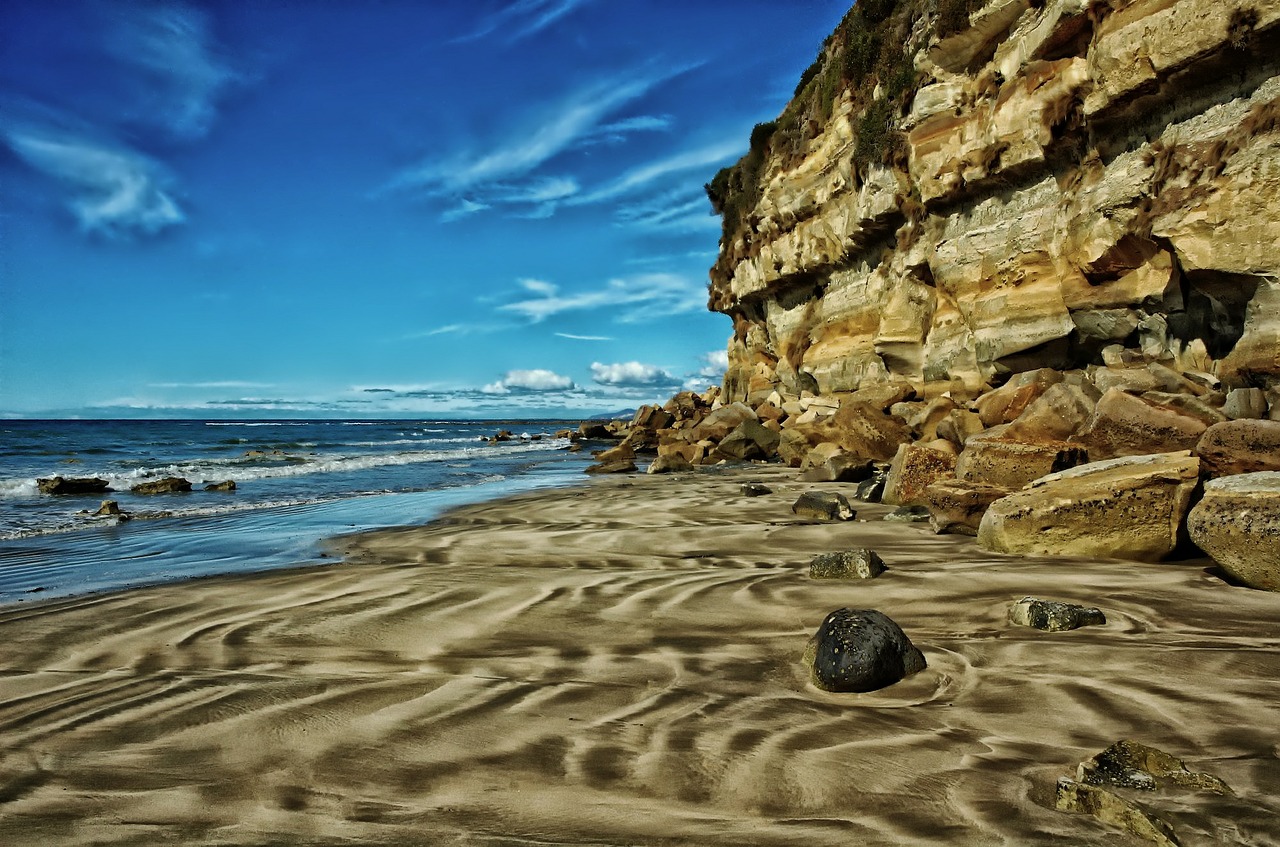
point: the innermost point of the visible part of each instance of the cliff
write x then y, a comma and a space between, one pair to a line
960, 192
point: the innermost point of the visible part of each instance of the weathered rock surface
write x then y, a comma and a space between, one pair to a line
755, 489
1012, 464
858, 650
225, 485
109, 508
915, 468
669, 464
1238, 524
1129, 764
1053, 616
830, 463
1111, 808
168, 485
619, 466
749, 440
72, 485
1127, 508
862, 563
956, 506
1239, 447
1124, 425
823, 505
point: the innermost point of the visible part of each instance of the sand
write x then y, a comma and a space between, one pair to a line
619, 663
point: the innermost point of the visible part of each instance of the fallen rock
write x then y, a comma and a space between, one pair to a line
1011, 399
1240, 447
72, 485
620, 466
959, 426
830, 463
1129, 764
1053, 616
594, 431
226, 485
847, 564
501, 435
717, 425
858, 650
622, 453
915, 468
863, 431
1057, 414
1245, 404
749, 440
1113, 809
908, 514
674, 463
1013, 464
168, 485
956, 506
1124, 425
823, 505
1238, 524
1127, 508
755, 489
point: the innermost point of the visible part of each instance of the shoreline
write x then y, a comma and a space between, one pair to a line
618, 662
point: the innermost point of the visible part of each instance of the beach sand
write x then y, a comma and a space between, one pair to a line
620, 663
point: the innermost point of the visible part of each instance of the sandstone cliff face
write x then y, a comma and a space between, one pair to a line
1070, 176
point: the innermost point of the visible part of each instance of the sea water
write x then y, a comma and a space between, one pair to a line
297, 483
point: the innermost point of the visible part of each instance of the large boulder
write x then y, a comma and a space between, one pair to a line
861, 650
722, 421
72, 485
1240, 446
619, 466
915, 468
1238, 524
1011, 399
168, 485
669, 464
749, 440
956, 506
1057, 414
1012, 464
830, 463
1126, 508
1124, 425
793, 445
863, 430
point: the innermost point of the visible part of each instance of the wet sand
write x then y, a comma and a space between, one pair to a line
619, 664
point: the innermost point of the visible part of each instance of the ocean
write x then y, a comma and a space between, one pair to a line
297, 483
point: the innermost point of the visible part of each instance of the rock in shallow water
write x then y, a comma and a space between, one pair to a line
1129, 764
168, 485
847, 564
755, 489
72, 485
859, 650
823, 505
1113, 809
1052, 616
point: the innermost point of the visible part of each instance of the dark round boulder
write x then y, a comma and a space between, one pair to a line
861, 650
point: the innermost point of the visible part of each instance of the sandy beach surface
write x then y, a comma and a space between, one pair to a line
620, 663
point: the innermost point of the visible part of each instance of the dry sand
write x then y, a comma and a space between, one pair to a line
619, 663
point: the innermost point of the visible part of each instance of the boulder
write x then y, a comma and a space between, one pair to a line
168, 485
1127, 508
858, 650
915, 468
72, 485
501, 435
793, 445
594, 431
959, 426
1238, 524
1057, 414
957, 506
1011, 399
847, 564
908, 514
755, 489
823, 505
723, 421
749, 440
225, 485
669, 464
652, 418
1111, 808
863, 431
830, 463
1239, 447
1052, 616
871, 490
622, 453
109, 508
1124, 425
1185, 404
620, 466
1245, 404
1012, 464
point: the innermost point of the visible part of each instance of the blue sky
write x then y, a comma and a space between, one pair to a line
455, 209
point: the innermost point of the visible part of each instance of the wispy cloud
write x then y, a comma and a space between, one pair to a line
573, 337
635, 374
225, 383
522, 19
115, 191
640, 178
503, 173
634, 299
173, 44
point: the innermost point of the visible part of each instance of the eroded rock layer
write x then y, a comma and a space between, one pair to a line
1068, 177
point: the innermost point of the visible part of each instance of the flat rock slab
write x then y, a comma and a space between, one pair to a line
860, 650
823, 505
1053, 616
168, 485
1238, 524
72, 485
862, 563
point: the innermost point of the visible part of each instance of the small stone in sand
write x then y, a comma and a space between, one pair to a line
859, 650
862, 563
1053, 616
755, 489
823, 505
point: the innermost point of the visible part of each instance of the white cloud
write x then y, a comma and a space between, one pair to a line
583, 337
173, 45
635, 299
631, 374
523, 18
226, 383
641, 177
717, 362
536, 379
116, 191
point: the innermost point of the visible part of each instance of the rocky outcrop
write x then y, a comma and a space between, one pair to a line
1238, 524
1059, 184
859, 650
1127, 508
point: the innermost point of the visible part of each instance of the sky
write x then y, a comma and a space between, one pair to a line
447, 208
